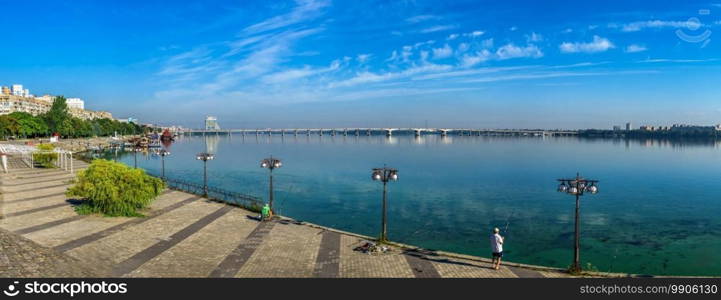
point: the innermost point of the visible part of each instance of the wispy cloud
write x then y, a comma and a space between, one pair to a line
634, 48
598, 44
512, 51
470, 60
545, 75
668, 60
370, 77
534, 37
443, 52
422, 18
640, 25
295, 74
438, 28
304, 10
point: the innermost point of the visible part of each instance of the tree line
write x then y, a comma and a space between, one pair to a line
59, 120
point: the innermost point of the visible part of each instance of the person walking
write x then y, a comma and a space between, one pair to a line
496, 248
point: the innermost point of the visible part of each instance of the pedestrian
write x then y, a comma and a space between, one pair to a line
497, 248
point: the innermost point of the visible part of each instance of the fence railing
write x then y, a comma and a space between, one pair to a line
249, 202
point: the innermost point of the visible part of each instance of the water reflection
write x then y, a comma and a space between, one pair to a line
658, 206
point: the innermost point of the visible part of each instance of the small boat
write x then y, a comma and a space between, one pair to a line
167, 136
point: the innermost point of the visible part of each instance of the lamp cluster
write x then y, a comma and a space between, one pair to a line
204, 156
271, 163
163, 152
384, 174
577, 186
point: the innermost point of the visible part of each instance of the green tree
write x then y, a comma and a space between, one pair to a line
8, 126
58, 117
29, 125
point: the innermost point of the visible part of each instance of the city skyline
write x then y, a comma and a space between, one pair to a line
383, 64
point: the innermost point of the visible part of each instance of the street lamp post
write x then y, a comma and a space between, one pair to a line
577, 186
163, 153
384, 175
270, 164
135, 156
205, 157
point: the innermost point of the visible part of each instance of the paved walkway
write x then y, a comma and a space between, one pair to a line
183, 235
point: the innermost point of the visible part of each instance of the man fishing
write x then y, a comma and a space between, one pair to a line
497, 248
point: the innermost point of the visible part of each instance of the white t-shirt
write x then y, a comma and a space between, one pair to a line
496, 243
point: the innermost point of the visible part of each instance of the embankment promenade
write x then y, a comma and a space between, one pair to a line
184, 235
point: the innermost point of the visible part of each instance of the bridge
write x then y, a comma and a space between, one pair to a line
384, 131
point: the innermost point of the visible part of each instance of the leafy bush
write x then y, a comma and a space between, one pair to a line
114, 189
45, 160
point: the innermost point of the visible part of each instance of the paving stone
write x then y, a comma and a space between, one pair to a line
289, 250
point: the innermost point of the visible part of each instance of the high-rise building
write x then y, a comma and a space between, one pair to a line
211, 123
628, 126
17, 90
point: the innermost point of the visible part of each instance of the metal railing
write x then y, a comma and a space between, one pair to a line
249, 202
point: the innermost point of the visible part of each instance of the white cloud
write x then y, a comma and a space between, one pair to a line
567, 30
534, 37
476, 33
304, 10
637, 26
463, 47
452, 36
666, 60
428, 42
421, 18
487, 43
424, 55
370, 77
443, 52
512, 51
363, 58
438, 28
468, 61
633, 48
514, 28
295, 74
598, 44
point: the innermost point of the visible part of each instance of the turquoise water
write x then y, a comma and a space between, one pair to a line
658, 210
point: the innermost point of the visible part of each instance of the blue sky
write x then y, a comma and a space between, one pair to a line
322, 63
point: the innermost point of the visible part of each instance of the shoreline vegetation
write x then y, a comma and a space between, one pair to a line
59, 122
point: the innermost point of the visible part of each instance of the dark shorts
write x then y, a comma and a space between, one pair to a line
498, 254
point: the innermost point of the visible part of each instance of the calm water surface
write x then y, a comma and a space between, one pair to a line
658, 210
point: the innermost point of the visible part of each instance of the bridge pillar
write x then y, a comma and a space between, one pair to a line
389, 132
320, 132
368, 133
357, 132
444, 132
345, 132
417, 131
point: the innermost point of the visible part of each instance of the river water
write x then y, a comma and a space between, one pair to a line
658, 210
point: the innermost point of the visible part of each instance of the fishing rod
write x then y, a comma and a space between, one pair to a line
508, 221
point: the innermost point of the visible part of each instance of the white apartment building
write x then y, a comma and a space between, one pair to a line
17, 90
75, 103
